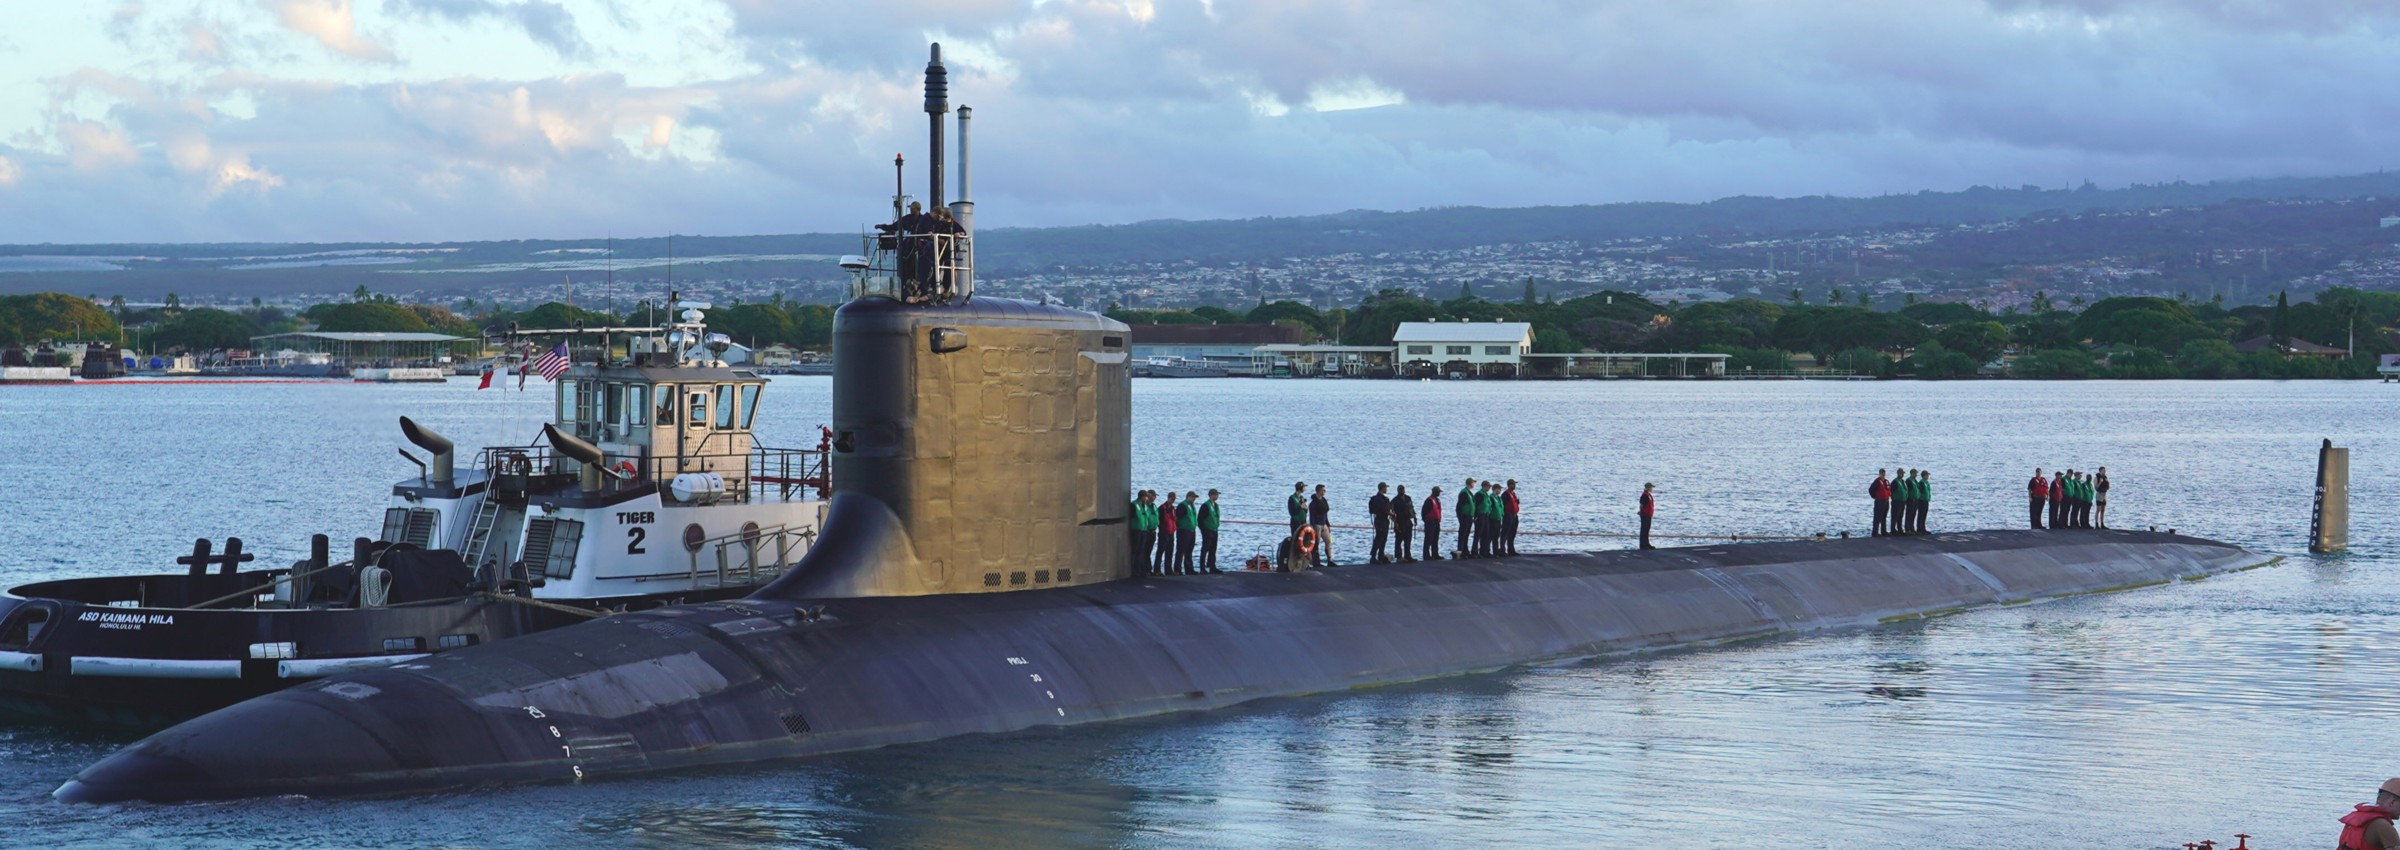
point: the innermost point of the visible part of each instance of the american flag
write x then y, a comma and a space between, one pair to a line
553, 363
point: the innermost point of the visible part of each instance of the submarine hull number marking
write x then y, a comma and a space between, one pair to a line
564, 748
1047, 693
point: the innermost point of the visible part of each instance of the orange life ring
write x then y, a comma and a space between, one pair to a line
1308, 540
626, 467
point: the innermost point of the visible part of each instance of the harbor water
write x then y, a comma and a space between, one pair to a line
2251, 703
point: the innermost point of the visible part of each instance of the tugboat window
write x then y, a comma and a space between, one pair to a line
566, 405
637, 405
25, 627
749, 404
612, 400
696, 404
666, 405
724, 407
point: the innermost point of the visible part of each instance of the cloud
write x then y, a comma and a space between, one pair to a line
1120, 110
201, 44
8, 172
548, 24
333, 25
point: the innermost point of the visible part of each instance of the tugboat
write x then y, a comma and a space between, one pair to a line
649, 490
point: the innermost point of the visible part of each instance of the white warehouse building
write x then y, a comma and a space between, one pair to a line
1477, 343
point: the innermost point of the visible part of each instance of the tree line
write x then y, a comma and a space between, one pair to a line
2124, 337
174, 328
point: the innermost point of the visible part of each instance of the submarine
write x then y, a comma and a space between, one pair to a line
973, 575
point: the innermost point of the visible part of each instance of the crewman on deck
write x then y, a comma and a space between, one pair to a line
1924, 498
1187, 533
1164, 559
1488, 514
2083, 500
1210, 515
1904, 500
1920, 496
1903, 489
2100, 498
2058, 500
1649, 509
1432, 514
1320, 517
2078, 499
1466, 519
1379, 512
1133, 531
2037, 490
1145, 538
1474, 519
1297, 506
1880, 490
1510, 506
2368, 826
1404, 526
1483, 520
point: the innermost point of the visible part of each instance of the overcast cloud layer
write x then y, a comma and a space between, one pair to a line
330, 120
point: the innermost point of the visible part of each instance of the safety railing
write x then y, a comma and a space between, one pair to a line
918, 268
765, 473
738, 555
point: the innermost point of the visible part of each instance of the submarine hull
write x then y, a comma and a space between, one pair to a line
759, 679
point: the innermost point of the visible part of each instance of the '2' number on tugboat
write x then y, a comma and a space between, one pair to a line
633, 540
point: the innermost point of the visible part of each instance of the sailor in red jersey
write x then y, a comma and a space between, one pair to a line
2368, 826
2039, 491
1881, 492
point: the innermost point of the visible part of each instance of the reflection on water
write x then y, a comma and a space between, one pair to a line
2143, 719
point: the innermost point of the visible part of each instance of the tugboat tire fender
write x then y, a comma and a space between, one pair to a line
311, 668
155, 668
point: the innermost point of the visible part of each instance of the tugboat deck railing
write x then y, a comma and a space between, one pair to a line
762, 474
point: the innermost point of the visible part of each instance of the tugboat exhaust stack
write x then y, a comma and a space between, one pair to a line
444, 460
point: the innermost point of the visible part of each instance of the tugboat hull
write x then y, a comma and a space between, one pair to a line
82, 663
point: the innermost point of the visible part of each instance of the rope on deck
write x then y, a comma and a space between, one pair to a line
1614, 534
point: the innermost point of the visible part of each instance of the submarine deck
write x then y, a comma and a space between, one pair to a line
755, 679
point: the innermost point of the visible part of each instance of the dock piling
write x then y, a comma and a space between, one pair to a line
2329, 524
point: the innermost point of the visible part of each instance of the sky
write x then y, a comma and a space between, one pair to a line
413, 120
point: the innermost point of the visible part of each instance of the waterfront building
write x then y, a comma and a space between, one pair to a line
2291, 348
1470, 347
1227, 343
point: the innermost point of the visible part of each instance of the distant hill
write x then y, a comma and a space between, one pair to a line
243, 270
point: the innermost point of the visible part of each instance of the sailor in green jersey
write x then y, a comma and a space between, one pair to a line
2083, 500
1487, 516
1924, 498
1479, 545
1138, 525
1916, 506
1298, 506
1209, 517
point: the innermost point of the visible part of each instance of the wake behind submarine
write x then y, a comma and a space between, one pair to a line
973, 576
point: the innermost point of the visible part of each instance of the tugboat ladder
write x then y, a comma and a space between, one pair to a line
479, 532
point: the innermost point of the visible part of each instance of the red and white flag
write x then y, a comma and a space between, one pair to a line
487, 378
